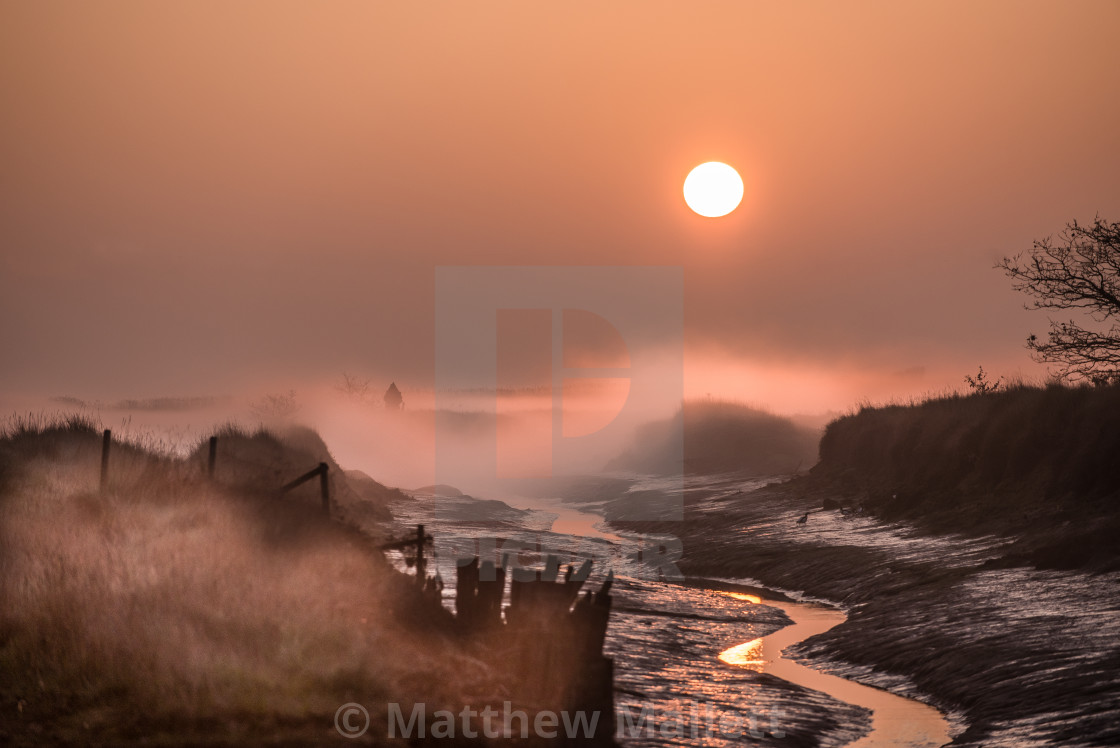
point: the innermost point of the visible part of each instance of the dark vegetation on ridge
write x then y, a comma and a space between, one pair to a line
1038, 464
721, 436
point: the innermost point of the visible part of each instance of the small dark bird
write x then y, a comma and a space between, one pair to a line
804, 519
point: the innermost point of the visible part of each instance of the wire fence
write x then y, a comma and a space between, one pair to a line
320, 471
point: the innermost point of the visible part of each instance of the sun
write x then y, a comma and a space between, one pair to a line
713, 189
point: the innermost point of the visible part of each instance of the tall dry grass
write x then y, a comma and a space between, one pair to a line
1025, 461
174, 610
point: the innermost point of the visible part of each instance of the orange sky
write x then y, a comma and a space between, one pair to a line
198, 197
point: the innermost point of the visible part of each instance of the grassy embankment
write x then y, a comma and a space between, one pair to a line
1025, 653
1036, 464
176, 609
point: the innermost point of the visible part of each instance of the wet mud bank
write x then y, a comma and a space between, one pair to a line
894, 719
671, 686
1013, 653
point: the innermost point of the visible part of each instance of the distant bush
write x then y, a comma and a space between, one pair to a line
716, 436
277, 407
982, 383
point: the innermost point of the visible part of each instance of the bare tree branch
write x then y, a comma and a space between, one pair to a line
1080, 270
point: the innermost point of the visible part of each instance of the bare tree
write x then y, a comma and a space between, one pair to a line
278, 406
1080, 270
353, 386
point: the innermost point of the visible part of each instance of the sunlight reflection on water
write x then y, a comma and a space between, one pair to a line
744, 597
747, 654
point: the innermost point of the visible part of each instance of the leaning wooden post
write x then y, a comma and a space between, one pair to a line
421, 572
325, 487
213, 457
106, 441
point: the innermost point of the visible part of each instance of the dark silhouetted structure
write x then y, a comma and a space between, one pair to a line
393, 398
552, 636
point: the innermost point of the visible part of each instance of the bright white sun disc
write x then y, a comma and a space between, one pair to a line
713, 189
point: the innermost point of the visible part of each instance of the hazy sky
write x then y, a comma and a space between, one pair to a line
204, 197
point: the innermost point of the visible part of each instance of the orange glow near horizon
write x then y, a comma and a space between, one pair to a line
341, 153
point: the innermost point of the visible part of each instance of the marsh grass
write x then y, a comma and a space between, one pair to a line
1034, 462
173, 609
1062, 440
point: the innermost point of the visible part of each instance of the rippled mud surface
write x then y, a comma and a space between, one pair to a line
895, 720
1013, 655
676, 683
667, 641
1020, 656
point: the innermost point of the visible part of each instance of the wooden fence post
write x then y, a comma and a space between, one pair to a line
323, 471
325, 487
213, 457
421, 569
418, 542
106, 441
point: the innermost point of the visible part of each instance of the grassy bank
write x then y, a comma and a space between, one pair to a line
1035, 464
176, 609
981, 575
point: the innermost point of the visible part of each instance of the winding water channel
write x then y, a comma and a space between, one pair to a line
701, 650
895, 720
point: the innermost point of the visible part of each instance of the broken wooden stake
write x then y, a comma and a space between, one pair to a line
106, 441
